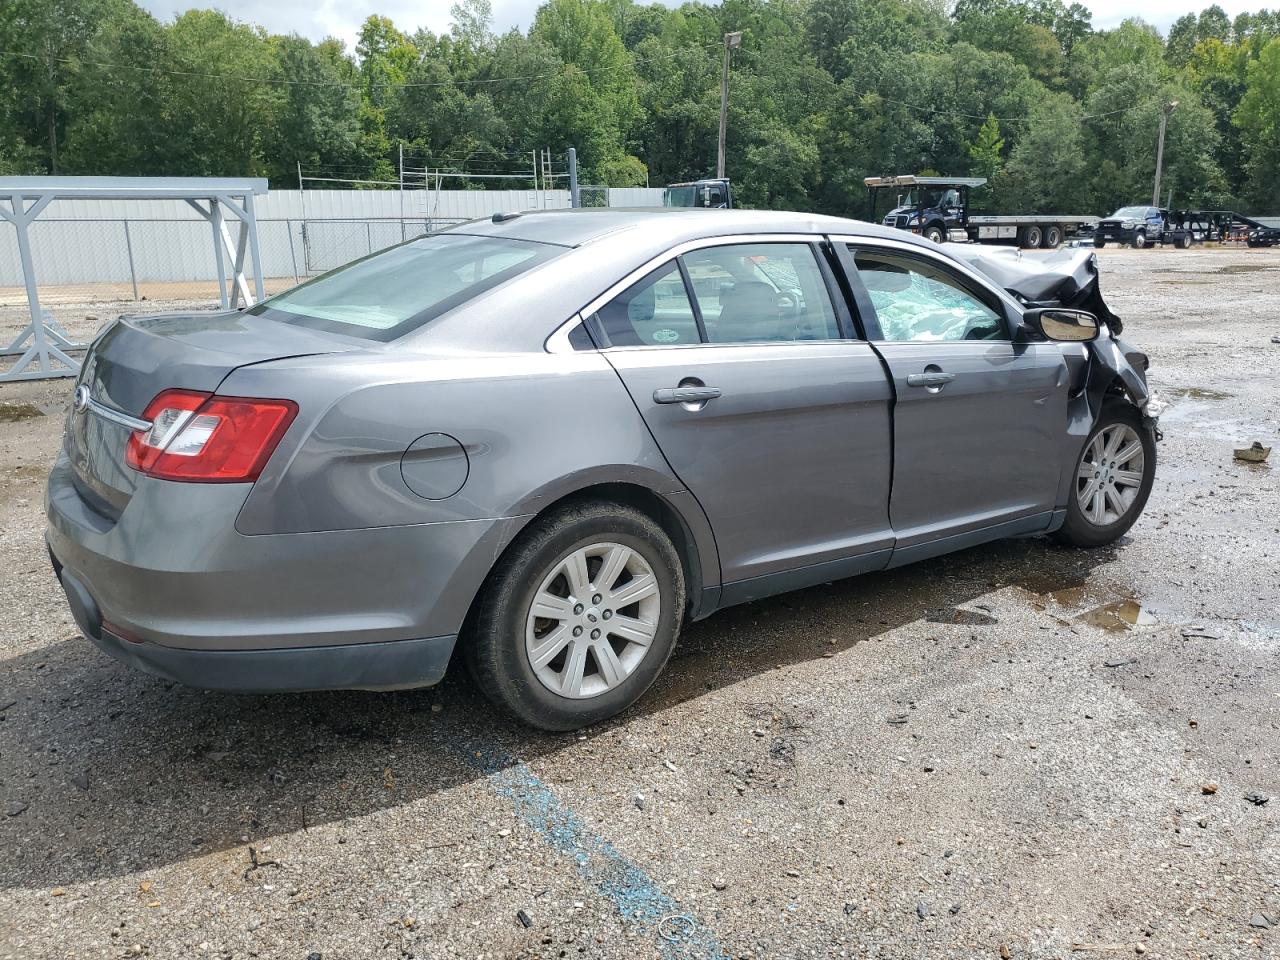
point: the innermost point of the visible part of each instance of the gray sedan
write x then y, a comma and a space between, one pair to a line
543, 442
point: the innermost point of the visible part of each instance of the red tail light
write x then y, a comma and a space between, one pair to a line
203, 438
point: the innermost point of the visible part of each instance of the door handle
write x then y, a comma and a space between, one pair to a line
685, 394
933, 379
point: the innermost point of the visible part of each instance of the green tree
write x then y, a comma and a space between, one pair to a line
1258, 117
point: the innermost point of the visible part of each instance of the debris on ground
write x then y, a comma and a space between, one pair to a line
1254, 453
1199, 632
256, 864
1257, 799
1209, 788
524, 919
1262, 921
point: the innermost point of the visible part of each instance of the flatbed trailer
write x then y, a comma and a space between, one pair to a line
1026, 230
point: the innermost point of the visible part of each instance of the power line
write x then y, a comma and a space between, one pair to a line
977, 116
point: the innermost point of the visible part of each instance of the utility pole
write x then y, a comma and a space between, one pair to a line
575, 198
731, 42
1165, 110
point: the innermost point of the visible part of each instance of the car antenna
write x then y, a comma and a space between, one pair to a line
504, 217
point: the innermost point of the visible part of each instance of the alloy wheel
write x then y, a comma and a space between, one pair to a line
1110, 474
592, 620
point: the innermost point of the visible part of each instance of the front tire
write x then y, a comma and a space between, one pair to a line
1112, 480
935, 233
579, 618
1140, 240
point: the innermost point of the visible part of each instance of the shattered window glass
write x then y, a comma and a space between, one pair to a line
915, 301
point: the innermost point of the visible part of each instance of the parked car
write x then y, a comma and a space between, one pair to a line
543, 442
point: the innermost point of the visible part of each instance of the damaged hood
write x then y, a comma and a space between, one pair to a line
1064, 278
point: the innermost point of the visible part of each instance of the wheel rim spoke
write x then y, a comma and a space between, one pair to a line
575, 670
1113, 498
629, 628
611, 669
550, 607
575, 569
549, 646
1097, 506
1129, 452
634, 590
1114, 438
614, 563
1129, 478
1086, 495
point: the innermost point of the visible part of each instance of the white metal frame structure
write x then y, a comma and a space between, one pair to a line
41, 346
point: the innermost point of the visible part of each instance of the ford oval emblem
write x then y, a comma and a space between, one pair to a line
81, 399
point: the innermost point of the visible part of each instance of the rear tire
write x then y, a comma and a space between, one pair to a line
604, 658
1112, 478
1099, 244
1029, 238
1184, 242
1052, 237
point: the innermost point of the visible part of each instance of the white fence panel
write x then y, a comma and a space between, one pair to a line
87, 241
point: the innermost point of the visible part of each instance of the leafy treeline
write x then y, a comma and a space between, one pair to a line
1060, 116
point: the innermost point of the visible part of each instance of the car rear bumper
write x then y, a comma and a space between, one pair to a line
384, 665
171, 588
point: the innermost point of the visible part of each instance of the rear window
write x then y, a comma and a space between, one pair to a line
385, 295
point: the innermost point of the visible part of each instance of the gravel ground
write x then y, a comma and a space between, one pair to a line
1017, 751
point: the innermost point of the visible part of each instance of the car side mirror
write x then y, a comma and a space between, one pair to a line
1066, 326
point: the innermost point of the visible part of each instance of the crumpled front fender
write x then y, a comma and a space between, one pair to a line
1111, 360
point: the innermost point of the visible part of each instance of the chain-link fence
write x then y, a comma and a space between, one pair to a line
593, 195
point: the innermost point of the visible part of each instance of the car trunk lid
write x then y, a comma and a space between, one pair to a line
138, 357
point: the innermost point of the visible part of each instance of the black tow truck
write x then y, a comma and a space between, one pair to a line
938, 208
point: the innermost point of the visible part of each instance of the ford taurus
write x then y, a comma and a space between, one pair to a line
542, 443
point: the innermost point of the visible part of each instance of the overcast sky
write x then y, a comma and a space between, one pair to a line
341, 18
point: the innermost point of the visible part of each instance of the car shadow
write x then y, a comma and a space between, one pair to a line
121, 772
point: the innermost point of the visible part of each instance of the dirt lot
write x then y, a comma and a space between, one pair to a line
1018, 751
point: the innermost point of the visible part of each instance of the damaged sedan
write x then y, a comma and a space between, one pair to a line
542, 443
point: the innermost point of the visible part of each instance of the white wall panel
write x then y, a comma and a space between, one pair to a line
83, 241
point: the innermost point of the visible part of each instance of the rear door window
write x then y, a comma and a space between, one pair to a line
761, 293
653, 312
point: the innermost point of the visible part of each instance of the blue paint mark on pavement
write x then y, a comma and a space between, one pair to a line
633, 892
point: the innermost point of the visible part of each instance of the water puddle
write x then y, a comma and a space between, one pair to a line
1083, 604
1201, 393
1246, 268
1118, 616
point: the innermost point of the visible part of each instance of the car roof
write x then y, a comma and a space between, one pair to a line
574, 228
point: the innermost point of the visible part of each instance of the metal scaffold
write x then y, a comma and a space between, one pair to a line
42, 347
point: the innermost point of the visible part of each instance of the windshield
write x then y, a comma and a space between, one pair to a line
680, 197
1131, 213
694, 195
932, 197
385, 295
